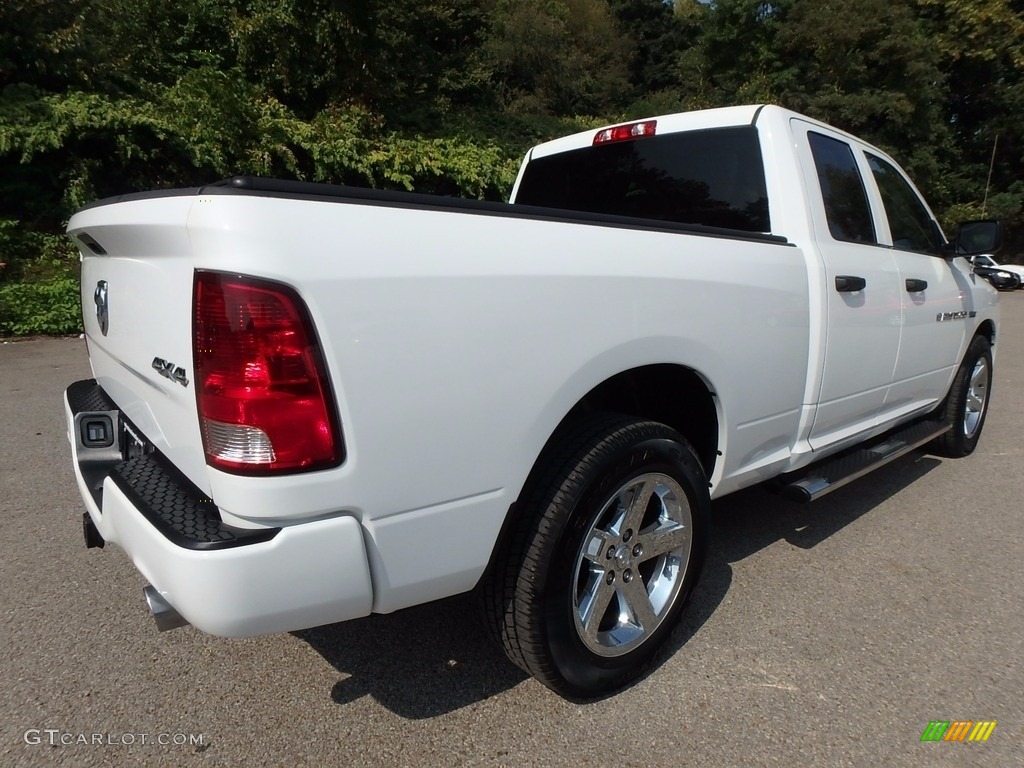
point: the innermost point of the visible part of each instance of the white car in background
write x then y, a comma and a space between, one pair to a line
985, 260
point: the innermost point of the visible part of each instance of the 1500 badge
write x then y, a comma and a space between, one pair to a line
170, 371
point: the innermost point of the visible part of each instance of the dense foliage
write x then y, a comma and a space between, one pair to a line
101, 97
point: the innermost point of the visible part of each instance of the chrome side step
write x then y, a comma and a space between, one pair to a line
819, 479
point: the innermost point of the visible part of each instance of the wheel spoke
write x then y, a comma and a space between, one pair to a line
634, 515
980, 372
594, 605
638, 603
977, 394
596, 549
662, 540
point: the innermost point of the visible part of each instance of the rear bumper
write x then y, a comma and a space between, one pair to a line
225, 580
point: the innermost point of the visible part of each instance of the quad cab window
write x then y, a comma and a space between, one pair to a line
842, 189
910, 224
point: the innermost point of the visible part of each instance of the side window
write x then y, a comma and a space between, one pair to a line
842, 188
912, 228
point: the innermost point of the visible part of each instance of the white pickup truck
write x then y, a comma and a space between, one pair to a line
312, 403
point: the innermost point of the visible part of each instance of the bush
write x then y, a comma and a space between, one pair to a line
51, 306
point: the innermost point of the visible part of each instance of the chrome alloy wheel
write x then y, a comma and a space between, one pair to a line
977, 396
631, 564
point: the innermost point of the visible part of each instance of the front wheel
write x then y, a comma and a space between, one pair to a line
611, 544
966, 405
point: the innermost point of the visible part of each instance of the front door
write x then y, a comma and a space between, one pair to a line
936, 295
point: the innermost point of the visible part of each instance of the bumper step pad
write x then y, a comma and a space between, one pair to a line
177, 508
168, 499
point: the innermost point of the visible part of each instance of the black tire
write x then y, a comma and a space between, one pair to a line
607, 489
966, 405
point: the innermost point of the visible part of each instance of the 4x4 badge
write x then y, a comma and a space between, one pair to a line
102, 307
169, 370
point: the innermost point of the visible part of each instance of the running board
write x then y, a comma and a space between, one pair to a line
819, 479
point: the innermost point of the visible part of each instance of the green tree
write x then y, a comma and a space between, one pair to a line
656, 35
101, 97
868, 67
556, 57
981, 44
41, 42
40, 52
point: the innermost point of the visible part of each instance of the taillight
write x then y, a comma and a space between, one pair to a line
626, 132
265, 404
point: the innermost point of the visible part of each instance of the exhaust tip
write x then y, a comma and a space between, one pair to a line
164, 614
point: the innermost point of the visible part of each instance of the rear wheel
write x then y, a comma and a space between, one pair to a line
966, 405
605, 558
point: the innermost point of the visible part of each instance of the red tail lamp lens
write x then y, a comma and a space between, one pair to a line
265, 404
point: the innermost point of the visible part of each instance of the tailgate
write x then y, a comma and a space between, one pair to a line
137, 274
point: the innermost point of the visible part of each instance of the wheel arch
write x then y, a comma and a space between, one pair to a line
669, 393
988, 330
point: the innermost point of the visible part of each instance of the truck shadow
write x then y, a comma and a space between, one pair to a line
421, 662
437, 658
748, 521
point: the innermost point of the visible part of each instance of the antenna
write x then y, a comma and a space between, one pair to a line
991, 164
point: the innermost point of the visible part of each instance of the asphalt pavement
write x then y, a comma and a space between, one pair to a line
821, 635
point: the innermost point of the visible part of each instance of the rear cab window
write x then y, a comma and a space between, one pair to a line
712, 177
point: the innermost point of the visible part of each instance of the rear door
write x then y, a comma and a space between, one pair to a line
861, 286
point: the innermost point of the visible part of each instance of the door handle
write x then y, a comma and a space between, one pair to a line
850, 283
916, 286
